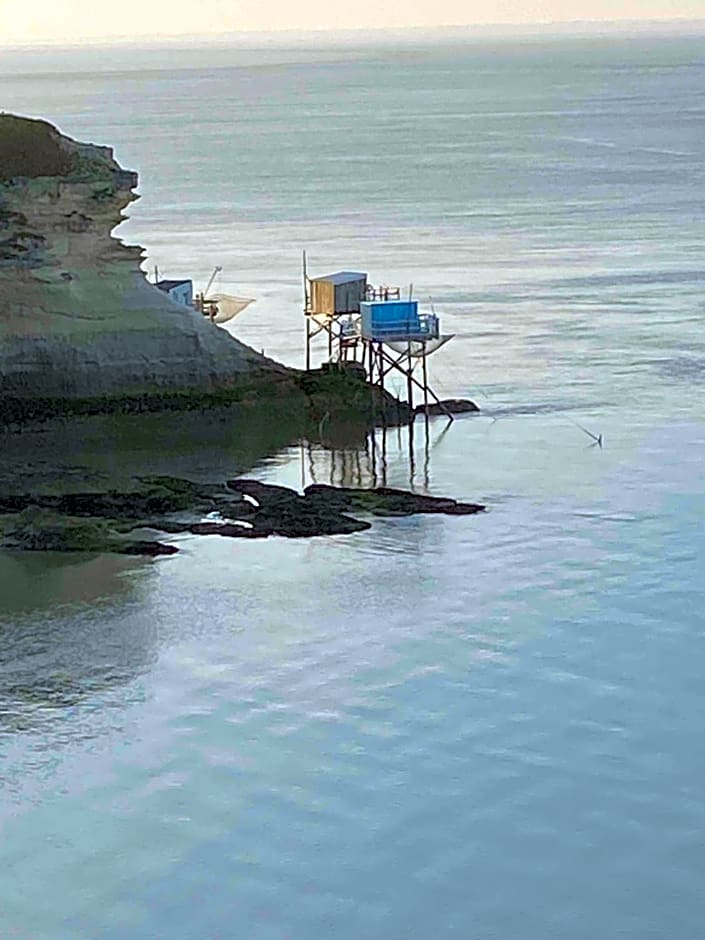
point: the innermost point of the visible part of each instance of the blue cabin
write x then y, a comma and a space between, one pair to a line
180, 291
396, 321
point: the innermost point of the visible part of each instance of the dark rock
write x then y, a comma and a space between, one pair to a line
385, 501
300, 520
335, 498
98, 522
167, 526
451, 406
282, 511
177, 486
37, 530
152, 549
226, 529
340, 393
155, 497
266, 494
114, 505
16, 503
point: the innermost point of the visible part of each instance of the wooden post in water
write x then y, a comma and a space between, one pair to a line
425, 383
372, 357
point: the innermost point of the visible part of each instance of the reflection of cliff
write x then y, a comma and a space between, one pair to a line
99, 451
51, 661
77, 316
41, 582
68, 627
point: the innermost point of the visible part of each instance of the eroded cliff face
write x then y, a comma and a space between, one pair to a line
78, 318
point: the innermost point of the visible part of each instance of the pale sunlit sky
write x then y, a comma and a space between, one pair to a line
71, 21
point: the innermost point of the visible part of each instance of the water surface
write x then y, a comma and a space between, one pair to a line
480, 727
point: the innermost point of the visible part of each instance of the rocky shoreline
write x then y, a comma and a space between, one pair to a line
299, 397
82, 333
107, 521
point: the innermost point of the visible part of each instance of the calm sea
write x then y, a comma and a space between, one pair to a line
485, 728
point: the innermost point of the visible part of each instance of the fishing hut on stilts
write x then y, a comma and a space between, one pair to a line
374, 330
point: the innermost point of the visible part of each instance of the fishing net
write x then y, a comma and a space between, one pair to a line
228, 306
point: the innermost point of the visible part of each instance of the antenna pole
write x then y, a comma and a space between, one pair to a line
216, 271
304, 269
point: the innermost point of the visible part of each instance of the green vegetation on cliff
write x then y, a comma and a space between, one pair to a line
313, 397
32, 148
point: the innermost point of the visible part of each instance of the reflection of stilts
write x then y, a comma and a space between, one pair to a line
384, 455
369, 463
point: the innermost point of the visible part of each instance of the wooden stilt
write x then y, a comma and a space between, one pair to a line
383, 404
399, 366
424, 368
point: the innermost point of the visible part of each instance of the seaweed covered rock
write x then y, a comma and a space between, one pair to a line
340, 392
281, 511
386, 501
242, 508
449, 406
39, 530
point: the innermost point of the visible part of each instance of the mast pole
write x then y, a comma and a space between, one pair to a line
306, 311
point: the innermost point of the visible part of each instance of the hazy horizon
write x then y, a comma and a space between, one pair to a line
77, 22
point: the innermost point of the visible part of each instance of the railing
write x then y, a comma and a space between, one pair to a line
349, 327
383, 293
422, 327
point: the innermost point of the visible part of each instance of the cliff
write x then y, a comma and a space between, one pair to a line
78, 319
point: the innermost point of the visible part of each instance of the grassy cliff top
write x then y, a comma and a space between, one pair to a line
30, 148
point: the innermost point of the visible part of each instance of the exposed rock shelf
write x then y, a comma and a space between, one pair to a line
449, 406
107, 521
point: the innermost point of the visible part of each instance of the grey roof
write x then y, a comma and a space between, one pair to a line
342, 277
170, 285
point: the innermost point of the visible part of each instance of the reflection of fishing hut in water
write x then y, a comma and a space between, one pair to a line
217, 307
382, 456
373, 329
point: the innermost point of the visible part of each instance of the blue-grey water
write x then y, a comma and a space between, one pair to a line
485, 727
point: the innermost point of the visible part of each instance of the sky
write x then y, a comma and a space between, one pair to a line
71, 21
